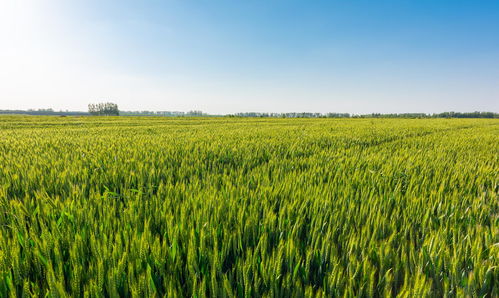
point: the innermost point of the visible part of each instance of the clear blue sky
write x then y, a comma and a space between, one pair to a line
240, 56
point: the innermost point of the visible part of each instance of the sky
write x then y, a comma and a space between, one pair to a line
251, 56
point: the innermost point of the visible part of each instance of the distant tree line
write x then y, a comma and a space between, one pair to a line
112, 109
103, 109
437, 115
402, 115
467, 115
44, 112
165, 113
291, 115
374, 115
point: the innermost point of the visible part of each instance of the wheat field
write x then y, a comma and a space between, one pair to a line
232, 207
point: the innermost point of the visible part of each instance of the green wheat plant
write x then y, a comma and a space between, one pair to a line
248, 207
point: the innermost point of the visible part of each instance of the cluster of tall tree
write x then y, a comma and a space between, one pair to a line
103, 109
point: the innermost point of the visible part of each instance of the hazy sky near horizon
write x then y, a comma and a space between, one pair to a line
242, 56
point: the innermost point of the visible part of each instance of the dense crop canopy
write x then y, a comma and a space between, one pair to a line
228, 207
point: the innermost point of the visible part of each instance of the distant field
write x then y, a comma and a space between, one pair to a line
249, 207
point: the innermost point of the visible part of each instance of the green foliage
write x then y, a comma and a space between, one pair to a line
227, 207
103, 109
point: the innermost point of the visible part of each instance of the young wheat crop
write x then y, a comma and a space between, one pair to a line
227, 207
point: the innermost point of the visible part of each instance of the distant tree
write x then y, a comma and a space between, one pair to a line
103, 109
195, 113
467, 115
